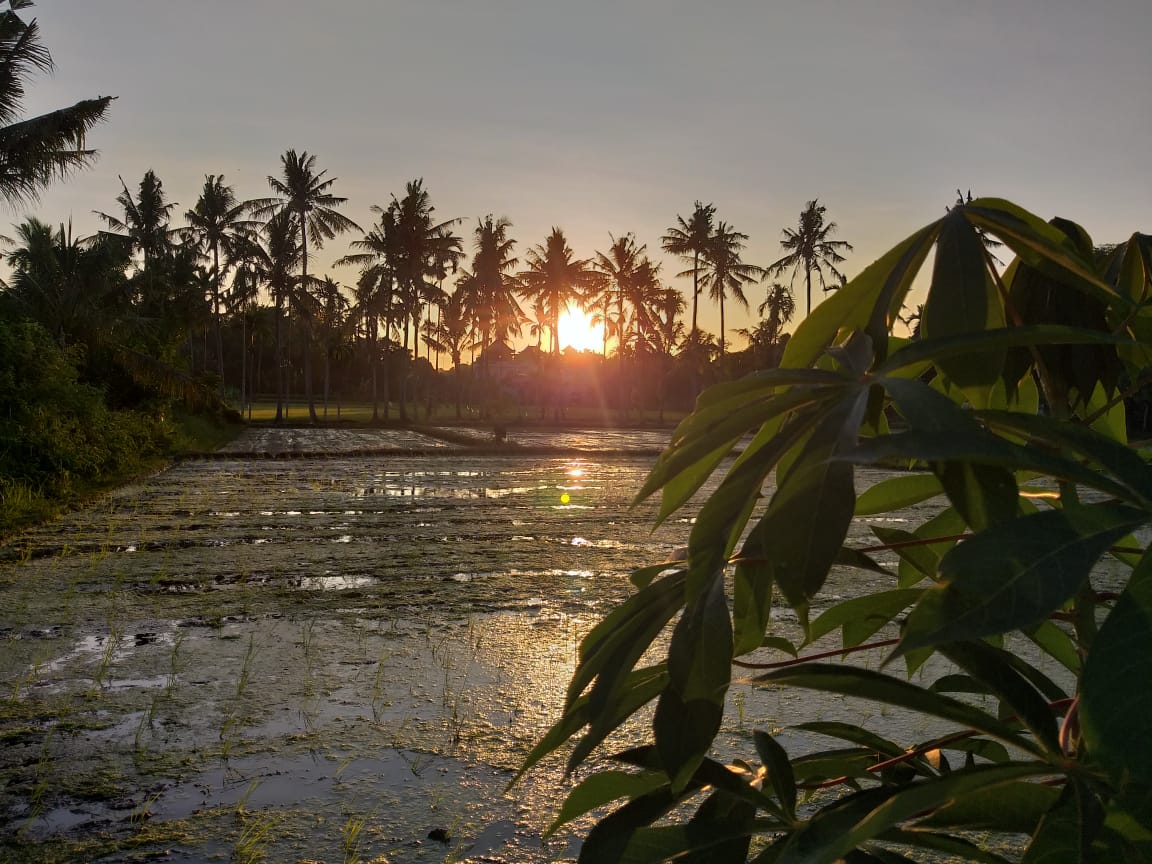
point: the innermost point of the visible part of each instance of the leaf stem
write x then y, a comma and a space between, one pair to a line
783, 664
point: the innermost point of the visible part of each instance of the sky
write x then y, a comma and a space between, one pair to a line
602, 117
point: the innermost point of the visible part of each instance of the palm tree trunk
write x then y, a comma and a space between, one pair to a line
387, 398
243, 361
308, 321
308, 367
373, 362
459, 385
808, 285
721, 328
327, 381
404, 376
280, 383
216, 312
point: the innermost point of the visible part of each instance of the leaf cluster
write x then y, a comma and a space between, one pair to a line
1007, 416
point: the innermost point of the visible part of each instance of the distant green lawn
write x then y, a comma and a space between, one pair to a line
445, 414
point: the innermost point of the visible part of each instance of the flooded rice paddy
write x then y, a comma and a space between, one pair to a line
324, 659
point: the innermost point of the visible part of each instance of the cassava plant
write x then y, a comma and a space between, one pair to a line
1009, 411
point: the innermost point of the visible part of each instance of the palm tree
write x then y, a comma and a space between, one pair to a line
283, 257
306, 196
145, 229
70, 286
421, 251
810, 249
689, 241
489, 288
451, 335
37, 150
619, 266
781, 306
724, 271
250, 262
333, 310
216, 225
145, 225
555, 280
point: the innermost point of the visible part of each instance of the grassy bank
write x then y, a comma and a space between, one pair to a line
24, 503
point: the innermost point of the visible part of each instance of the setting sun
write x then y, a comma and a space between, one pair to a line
577, 331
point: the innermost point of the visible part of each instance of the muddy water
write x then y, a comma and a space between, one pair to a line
321, 659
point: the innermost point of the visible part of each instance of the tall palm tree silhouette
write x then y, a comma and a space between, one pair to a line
725, 273
217, 224
555, 279
810, 250
688, 240
306, 195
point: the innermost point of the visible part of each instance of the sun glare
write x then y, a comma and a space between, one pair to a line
577, 331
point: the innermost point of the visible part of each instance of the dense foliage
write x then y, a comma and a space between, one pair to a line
1009, 411
56, 432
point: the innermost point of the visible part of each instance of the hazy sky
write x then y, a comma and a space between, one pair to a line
606, 117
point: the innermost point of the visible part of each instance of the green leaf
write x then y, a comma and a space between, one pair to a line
722, 816
964, 344
603, 788
1016, 573
614, 645
751, 607
689, 712
702, 441
800, 549
724, 515
862, 737
1013, 808
896, 493
1066, 831
640, 688
1116, 701
825, 839
1041, 245
983, 448
824, 765
642, 576
1129, 817
779, 769
963, 299
1120, 460
849, 557
991, 668
878, 687
920, 560
877, 292
862, 616
1057, 644
779, 643
984, 495
957, 848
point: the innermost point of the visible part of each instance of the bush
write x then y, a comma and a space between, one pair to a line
1031, 503
56, 430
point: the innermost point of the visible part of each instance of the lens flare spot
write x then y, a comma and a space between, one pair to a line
565, 498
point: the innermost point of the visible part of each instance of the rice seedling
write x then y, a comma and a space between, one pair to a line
251, 846
176, 663
378, 701
40, 787
350, 839
242, 803
111, 645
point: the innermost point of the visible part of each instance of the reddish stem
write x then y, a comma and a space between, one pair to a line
744, 664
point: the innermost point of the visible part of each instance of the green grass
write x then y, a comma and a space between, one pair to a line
360, 414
